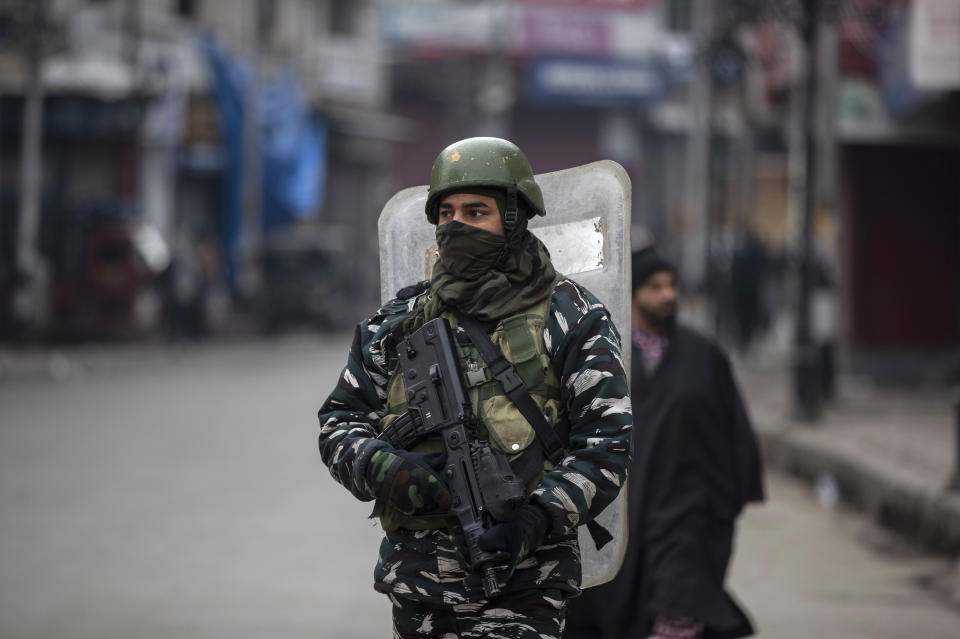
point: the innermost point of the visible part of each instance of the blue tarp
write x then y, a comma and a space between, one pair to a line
293, 149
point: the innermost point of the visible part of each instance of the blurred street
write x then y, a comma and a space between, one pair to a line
195, 208
165, 494
150, 492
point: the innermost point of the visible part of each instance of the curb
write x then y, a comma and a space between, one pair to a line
921, 510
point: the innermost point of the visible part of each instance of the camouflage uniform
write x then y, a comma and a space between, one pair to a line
421, 570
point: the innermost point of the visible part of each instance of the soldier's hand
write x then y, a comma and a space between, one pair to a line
517, 538
409, 481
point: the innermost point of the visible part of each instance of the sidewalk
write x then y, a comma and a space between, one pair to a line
886, 452
57, 364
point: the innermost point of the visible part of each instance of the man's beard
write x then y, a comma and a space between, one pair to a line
664, 323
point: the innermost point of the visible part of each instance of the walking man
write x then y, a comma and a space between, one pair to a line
695, 466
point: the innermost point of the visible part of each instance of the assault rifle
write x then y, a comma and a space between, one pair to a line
483, 488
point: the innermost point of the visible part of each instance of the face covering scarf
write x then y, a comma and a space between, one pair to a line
477, 274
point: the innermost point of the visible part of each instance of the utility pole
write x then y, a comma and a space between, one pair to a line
696, 227
806, 385
251, 165
132, 35
30, 302
495, 97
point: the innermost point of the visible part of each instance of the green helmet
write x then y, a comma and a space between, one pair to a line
488, 163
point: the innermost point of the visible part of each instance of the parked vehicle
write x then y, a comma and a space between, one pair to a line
302, 280
106, 280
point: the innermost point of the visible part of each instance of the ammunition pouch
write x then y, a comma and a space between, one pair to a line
502, 490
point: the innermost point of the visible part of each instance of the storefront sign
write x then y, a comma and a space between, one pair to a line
935, 44
592, 82
592, 29
563, 32
598, 4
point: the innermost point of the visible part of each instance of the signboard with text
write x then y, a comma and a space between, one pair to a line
935, 44
595, 29
599, 4
595, 82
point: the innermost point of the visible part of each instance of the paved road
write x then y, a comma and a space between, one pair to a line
163, 494
805, 571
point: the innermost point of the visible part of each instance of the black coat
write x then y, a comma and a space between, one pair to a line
696, 464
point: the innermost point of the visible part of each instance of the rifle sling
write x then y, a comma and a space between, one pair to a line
504, 372
528, 464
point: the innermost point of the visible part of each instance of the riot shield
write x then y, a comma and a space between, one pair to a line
587, 231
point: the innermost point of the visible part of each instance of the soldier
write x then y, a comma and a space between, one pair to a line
563, 344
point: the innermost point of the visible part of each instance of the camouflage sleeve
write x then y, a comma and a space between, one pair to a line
584, 347
350, 415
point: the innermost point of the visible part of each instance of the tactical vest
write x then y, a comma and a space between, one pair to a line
520, 339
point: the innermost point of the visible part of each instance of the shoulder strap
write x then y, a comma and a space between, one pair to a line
504, 372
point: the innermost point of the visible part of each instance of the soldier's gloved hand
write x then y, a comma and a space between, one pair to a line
409, 481
517, 538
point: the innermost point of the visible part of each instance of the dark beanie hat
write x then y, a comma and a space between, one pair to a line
645, 264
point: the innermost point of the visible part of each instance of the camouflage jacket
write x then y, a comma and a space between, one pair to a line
584, 349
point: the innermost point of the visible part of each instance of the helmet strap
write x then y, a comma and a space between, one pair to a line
510, 215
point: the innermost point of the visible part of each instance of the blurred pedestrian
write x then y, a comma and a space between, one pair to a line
748, 277
695, 466
823, 318
185, 285
495, 284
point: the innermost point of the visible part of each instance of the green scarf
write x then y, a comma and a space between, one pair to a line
479, 274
